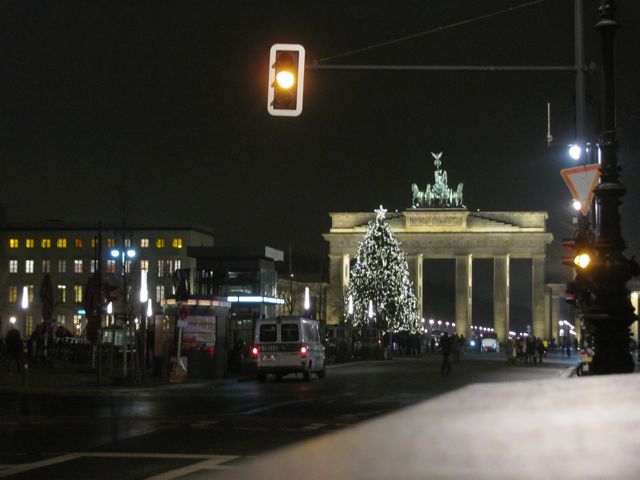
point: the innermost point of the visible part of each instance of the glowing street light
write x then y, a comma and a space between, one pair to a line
575, 152
307, 301
350, 308
24, 303
370, 309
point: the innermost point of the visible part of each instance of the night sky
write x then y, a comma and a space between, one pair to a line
158, 109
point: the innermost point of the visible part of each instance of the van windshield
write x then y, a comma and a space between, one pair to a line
289, 332
268, 333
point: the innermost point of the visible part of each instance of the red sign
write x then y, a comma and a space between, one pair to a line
183, 313
581, 182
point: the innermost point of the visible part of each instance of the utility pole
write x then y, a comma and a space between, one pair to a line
607, 310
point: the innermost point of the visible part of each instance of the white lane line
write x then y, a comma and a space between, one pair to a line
315, 426
189, 469
25, 467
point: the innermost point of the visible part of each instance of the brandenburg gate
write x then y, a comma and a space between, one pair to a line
438, 226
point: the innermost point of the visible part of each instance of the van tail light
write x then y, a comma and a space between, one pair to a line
303, 351
254, 351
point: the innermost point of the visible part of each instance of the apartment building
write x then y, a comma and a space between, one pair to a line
70, 255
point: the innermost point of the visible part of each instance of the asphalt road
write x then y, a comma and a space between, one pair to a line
196, 432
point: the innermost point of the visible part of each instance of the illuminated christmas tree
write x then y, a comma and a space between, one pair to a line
380, 292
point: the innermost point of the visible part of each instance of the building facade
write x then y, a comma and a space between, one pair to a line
71, 254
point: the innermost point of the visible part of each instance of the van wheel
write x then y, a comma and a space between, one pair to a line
262, 377
323, 372
306, 373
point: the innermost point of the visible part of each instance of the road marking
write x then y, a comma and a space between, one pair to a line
314, 426
260, 429
207, 462
25, 467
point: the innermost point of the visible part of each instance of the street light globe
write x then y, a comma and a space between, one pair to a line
12, 320
576, 204
583, 260
431, 321
131, 253
439, 322
115, 253
575, 152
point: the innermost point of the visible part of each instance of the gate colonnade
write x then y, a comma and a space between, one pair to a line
454, 234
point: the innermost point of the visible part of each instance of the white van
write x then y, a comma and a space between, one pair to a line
288, 345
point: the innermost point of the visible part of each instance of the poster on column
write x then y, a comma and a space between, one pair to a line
199, 333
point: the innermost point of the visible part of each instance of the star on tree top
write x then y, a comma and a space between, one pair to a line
380, 213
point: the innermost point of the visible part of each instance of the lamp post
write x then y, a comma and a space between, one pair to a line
24, 303
608, 312
122, 255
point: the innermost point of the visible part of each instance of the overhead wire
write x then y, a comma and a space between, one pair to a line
433, 30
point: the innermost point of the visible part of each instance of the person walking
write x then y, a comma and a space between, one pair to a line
445, 348
540, 349
14, 349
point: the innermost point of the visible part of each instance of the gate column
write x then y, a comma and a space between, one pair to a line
463, 294
501, 296
537, 297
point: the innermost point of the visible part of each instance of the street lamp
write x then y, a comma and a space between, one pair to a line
307, 301
607, 310
575, 151
123, 255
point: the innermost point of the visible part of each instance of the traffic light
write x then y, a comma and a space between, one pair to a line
286, 80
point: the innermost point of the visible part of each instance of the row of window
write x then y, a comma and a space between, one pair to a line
79, 243
165, 267
61, 293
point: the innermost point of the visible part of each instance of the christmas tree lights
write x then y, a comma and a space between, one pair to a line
380, 277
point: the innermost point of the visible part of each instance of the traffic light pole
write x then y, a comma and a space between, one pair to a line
607, 310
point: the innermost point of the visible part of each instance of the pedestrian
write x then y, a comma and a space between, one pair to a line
13, 341
445, 349
540, 349
432, 345
530, 350
510, 352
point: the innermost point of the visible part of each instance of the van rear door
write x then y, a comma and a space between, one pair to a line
290, 344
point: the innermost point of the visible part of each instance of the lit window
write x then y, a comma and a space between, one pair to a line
13, 294
77, 293
62, 266
61, 243
94, 242
77, 243
46, 266
77, 324
30, 288
94, 266
61, 319
111, 242
28, 266
13, 266
62, 293
29, 243
111, 266
127, 243
14, 243
45, 243
144, 243
160, 293
144, 265
77, 266
162, 268
161, 243
176, 243
127, 266
176, 265
29, 325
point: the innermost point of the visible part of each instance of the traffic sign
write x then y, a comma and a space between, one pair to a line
581, 182
183, 313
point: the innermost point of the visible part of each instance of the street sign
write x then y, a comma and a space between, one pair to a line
183, 313
581, 182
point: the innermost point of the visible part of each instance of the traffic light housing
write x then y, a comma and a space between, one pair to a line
286, 80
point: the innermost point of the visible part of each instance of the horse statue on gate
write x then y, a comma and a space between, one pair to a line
438, 194
456, 196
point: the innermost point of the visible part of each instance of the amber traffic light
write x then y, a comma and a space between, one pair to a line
286, 80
